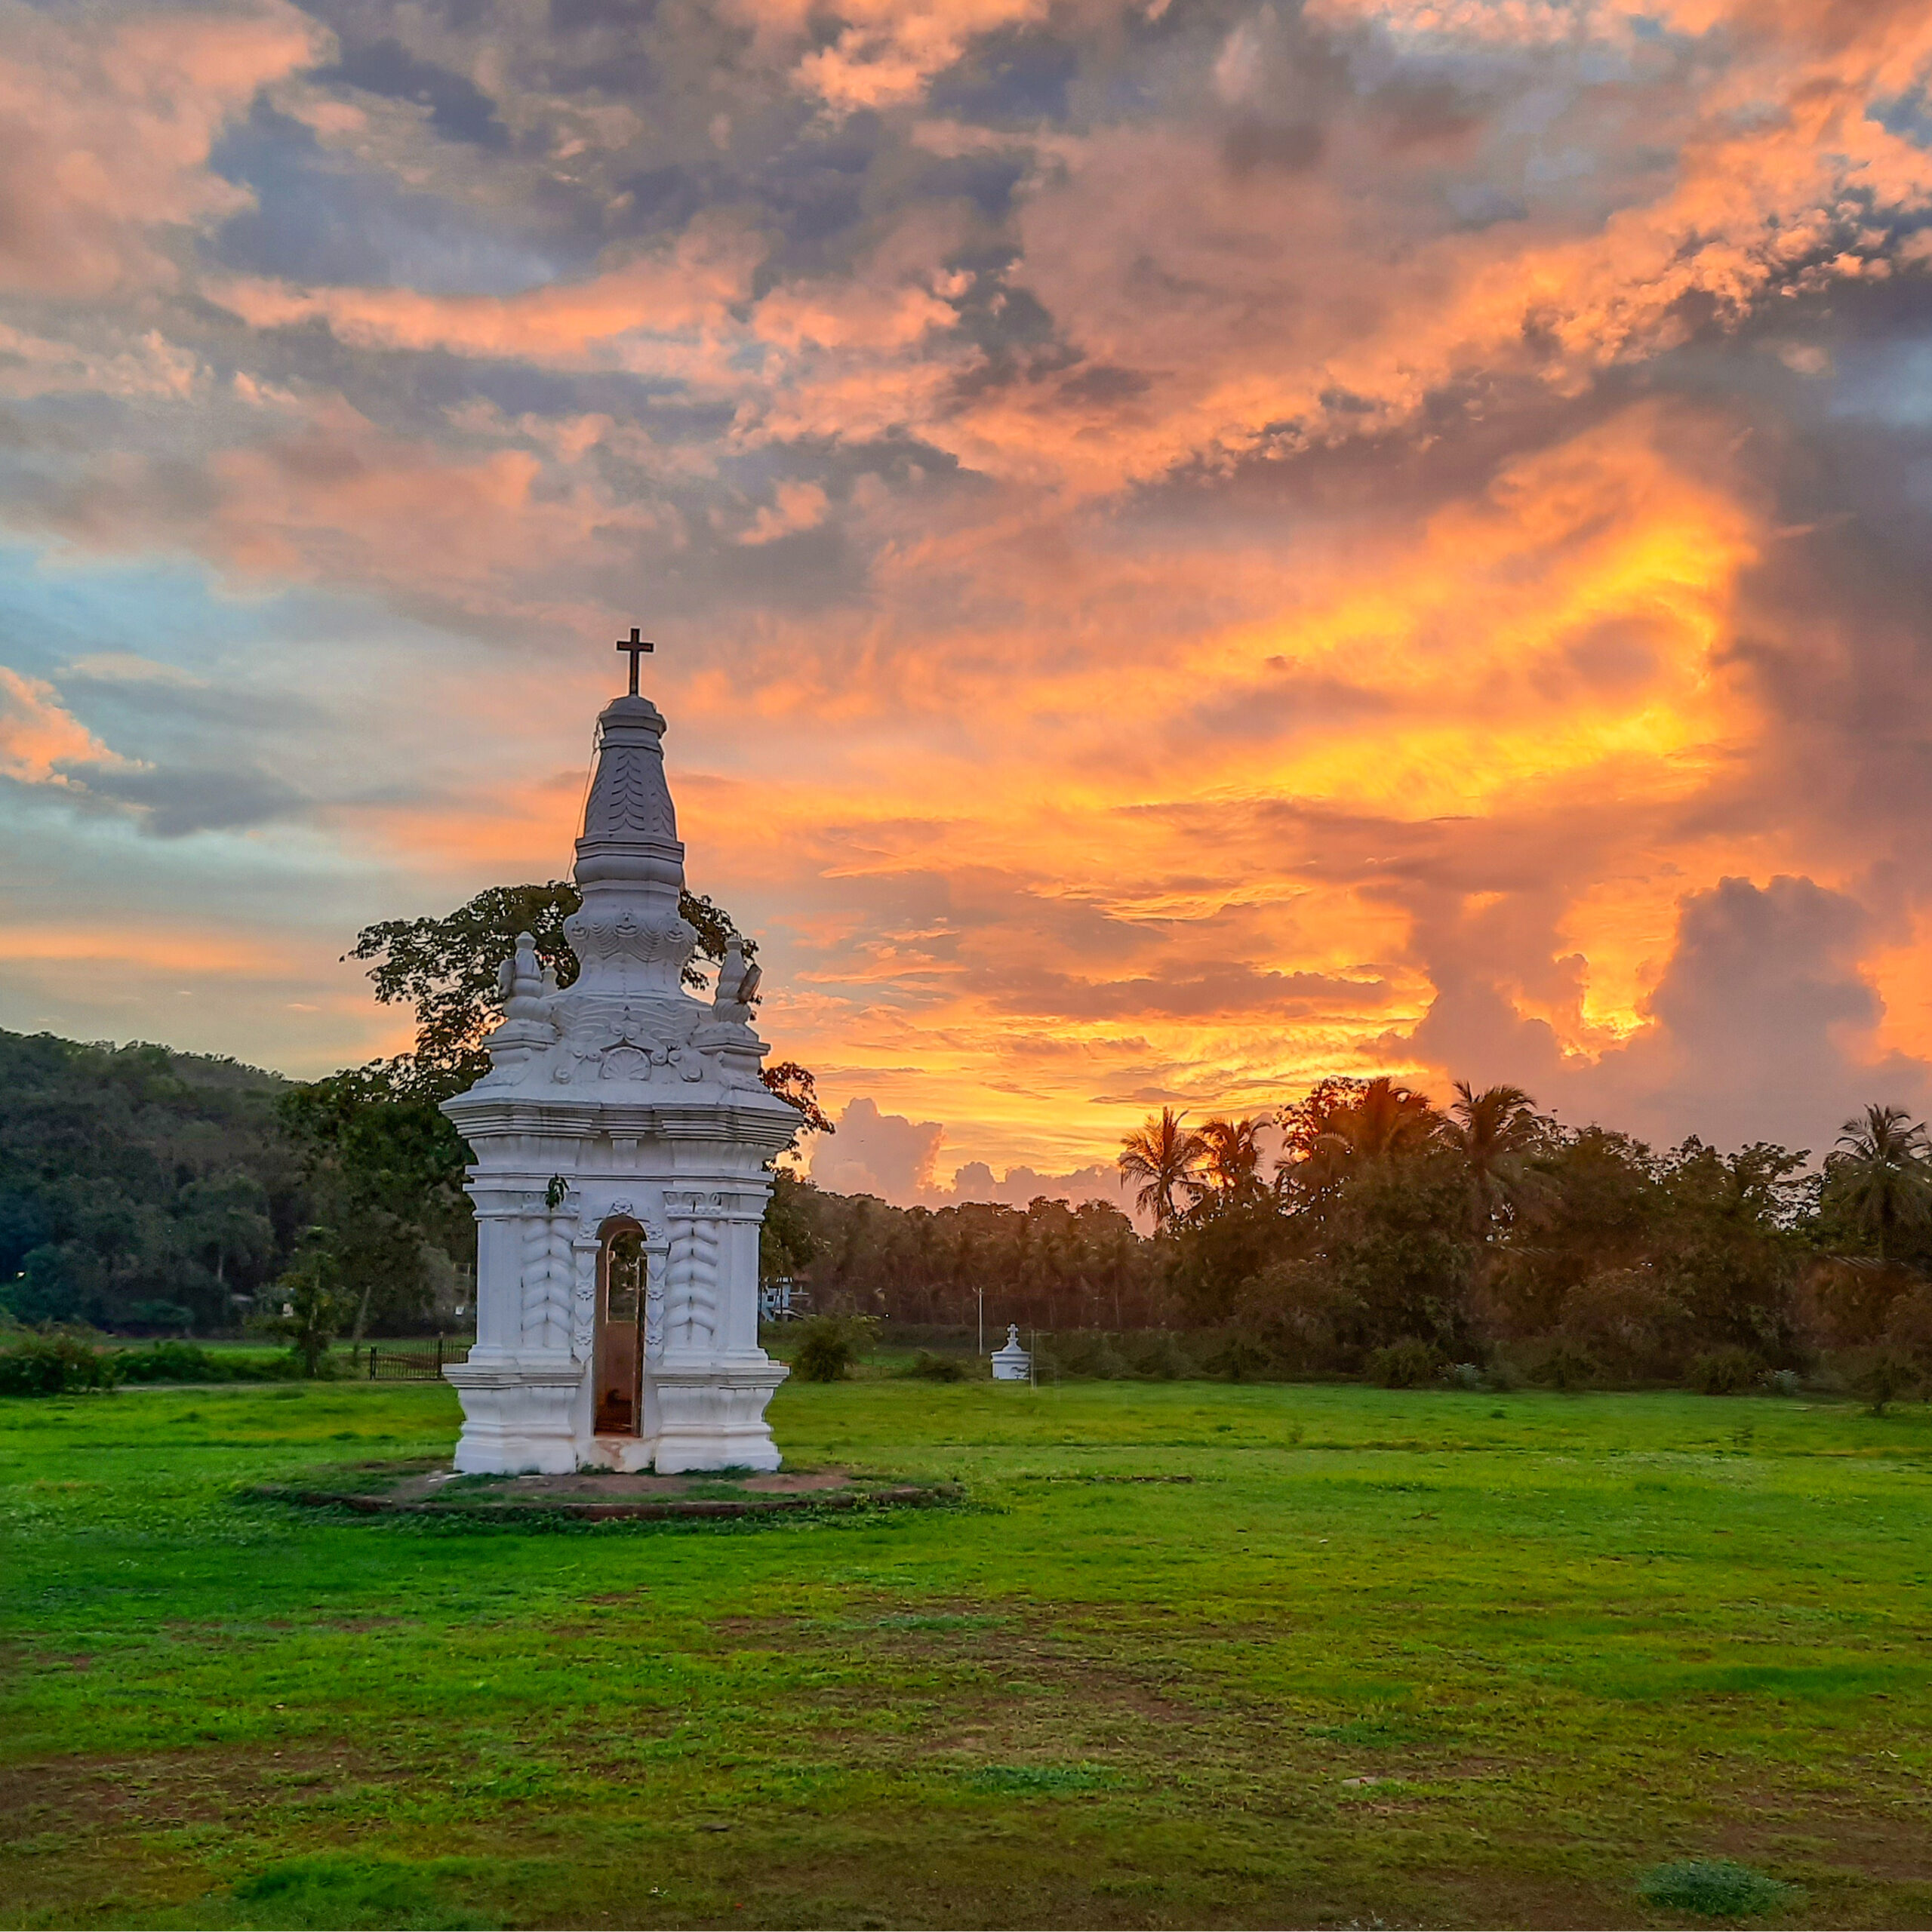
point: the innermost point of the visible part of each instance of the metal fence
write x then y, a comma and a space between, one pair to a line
413, 1364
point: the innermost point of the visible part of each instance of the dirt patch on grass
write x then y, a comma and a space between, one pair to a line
597, 1496
609, 1485
87, 1797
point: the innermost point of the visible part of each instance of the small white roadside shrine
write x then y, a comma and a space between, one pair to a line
1012, 1363
623, 1141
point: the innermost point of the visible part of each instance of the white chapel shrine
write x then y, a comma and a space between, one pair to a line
622, 1140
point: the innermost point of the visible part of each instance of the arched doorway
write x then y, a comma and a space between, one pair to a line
618, 1362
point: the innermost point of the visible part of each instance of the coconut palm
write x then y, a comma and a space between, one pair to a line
1494, 1133
1880, 1172
1231, 1155
1386, 1118
1165, 1158
1345, 1124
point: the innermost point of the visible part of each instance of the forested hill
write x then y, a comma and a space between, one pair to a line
138, 1187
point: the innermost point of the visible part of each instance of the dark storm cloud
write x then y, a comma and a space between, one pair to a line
173, 804
459, 110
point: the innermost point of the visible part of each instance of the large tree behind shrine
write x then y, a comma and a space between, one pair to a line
446, 968
377, 1144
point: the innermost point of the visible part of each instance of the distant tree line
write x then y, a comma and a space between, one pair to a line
141, 1188
147, 1191
1393, 1239
1049, 1265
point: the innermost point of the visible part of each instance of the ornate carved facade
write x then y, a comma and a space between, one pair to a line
622, 1128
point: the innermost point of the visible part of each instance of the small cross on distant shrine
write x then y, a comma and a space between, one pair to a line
636, 646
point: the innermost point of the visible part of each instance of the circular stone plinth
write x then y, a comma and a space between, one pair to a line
413, 1489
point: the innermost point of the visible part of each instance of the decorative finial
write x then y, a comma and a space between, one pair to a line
637, 647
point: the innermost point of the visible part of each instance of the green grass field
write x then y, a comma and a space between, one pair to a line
1404, 1658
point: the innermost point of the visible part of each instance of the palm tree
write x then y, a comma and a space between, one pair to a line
1232, 1155
1881, 1172
1386, 1119
1494, 1133
1163, 1156
1379, 1118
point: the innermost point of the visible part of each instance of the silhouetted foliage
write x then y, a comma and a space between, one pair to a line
1048, 1265
1397, 1240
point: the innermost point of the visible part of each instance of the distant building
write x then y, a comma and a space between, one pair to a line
782, 1300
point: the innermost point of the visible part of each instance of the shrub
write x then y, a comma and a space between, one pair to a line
1462, 1375
1882, 1375
1624, 1319
1407, 1364
170, 1362
1083, 1357
188, 1361
930, 1367
1725, 1372
1564, 1366
1240, 1359
1160, 1358
1714, 1887
54, 1364
1908, 1327
1309, 1320
1782, 1382
829, 1346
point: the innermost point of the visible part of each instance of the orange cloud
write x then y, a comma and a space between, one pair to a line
39, 736
651, 313
110, 125
197, 953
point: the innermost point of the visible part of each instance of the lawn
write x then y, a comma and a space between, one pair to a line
1188, 1654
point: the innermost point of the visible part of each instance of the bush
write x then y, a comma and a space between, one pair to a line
929, 1368
1159, 1358
1310, 1321
1624, 1319
181, 1361
830, 1346
1714, 1887
1462, 1375
1725, 1372
1882, 1376
1564, 1366
1407, 1364
54, 1364
1782, 1382
1240, 1359
1908, 1327
1081, 1357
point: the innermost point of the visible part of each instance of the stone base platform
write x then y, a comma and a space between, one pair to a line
412, 1489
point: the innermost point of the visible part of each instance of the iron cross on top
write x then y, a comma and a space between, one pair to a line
637, 647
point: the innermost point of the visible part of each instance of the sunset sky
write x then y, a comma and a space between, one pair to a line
1192, 545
